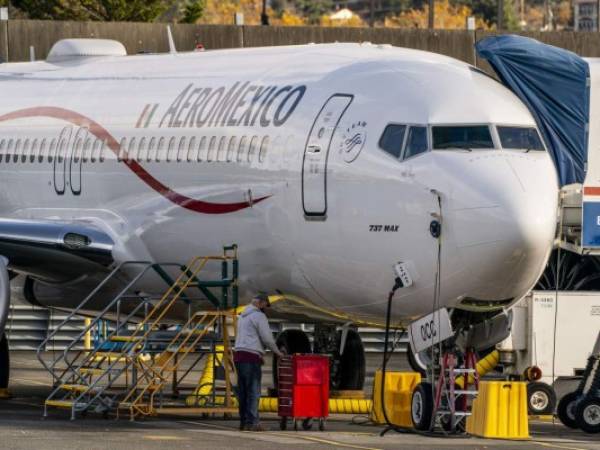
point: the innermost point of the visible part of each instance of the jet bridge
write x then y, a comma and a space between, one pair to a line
562, 91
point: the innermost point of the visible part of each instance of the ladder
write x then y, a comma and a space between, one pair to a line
129, 361
455, 389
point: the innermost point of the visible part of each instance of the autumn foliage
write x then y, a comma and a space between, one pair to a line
446, 16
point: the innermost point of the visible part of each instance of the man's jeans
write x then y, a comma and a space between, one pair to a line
249, 381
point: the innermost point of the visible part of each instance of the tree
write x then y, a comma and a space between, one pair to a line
488, 10
193, 11
102, 10
447, 16
313, 10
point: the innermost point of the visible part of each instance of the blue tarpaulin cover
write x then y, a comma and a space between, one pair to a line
552, 82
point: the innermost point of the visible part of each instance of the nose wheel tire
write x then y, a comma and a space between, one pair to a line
566, 410
541, 398
422, 406
588, 415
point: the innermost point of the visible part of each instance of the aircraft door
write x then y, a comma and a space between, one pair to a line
79, 150
60, 160
316, 152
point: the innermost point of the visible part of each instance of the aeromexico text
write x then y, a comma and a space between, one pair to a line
243, 104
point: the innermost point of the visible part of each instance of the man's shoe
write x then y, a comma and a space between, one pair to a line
242, 427
258, 427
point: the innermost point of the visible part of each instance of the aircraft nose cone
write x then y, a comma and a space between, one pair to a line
506, 243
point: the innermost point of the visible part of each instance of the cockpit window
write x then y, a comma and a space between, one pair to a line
465, 137
416, 142
520, 137
392, 139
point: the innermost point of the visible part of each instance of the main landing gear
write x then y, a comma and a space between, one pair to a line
344, 346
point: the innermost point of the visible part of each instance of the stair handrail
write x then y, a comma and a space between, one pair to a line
178, 288
41, 348
159, 370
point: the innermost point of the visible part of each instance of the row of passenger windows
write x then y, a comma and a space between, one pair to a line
194, 149
405, 141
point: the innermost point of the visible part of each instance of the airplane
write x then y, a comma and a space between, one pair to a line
338, 169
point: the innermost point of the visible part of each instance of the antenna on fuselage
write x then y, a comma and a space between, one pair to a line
172, 49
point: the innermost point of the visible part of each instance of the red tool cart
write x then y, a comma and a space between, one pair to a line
303, 382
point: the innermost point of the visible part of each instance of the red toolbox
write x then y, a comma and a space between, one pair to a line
303, 382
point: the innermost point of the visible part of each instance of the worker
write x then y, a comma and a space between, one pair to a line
253, 336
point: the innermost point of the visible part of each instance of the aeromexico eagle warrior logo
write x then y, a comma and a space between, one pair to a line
242, 105
353, 141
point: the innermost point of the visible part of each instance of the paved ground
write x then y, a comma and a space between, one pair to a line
22, 428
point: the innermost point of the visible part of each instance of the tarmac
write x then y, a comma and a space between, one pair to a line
22, 427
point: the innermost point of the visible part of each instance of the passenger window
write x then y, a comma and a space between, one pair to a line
131, 150
202, 149
141, 150
95, 150
252, 149
231, 148
122, 150
171, 155
77, 149
264, 145
161, 150
34, 150
211, 148
103, 145
416, 142
392, 139
462, 137
2, 149
26, 148
182, 149
87, 150
221, 155
17, 150
42, 151
52, 151
151, 150
242, 149
191, 149
9, 149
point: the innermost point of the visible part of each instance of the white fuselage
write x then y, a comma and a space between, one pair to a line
317, 210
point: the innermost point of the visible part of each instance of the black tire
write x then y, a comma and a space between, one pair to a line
351, 370
292, 341
417, 362
566, 409
307, 424
587, 415
4, 363
541, 398
422, 407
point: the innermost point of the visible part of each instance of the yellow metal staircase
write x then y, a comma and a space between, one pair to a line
146, 340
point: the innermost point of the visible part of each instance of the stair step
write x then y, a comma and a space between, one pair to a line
64, 404
77, 387
126, 338
111, 355
456, 413
464, 392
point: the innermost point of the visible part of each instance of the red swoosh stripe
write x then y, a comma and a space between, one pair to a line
101, 133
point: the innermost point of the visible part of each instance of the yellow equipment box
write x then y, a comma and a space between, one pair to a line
500, 411
398, 397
